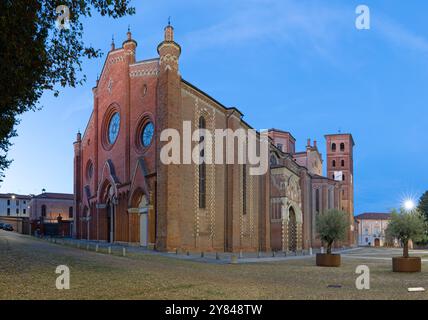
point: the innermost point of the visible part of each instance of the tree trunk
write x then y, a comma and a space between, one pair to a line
406, 249
329, 247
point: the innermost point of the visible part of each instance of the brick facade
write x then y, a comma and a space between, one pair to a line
124, 193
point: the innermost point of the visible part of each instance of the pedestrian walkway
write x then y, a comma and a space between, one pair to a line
202, 257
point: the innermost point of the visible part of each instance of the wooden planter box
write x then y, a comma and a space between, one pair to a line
411, 264
328, 260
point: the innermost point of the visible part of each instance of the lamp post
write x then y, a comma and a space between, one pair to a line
409, 205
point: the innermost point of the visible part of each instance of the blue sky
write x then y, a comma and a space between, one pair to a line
300, 66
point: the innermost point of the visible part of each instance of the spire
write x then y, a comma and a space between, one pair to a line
129, 33
169, 31
112, 42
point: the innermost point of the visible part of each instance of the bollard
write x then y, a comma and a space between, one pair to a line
310, 251
240, 254
124, 251
96, 248
258, 254
109, 250
176, 251
234, 259
87, 247
202, 254
217, 256
273, 254
187, 253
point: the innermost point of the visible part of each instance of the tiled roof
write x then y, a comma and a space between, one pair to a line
373, 216
17, 196
51, 195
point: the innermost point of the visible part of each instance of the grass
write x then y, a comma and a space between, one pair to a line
27, 271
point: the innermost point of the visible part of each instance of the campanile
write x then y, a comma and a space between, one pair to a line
340, 167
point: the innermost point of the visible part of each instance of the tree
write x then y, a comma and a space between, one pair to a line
36, 55
423, 205
406, 226
332, 226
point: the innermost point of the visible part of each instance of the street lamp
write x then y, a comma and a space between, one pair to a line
409, 205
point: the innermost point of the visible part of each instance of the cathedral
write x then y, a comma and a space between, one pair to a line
124, 193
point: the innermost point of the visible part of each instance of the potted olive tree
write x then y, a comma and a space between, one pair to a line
331, 227
406, 226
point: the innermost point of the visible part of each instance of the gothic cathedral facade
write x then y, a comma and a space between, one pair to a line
125, 193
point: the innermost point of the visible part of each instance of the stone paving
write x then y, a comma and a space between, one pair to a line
203, 257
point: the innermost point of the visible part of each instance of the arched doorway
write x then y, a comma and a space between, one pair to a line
143, 209
377, 243
292, 230
111, 208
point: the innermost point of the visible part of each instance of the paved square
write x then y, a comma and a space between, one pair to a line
27, 271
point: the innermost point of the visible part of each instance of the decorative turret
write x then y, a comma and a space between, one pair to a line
130, 45
169, 51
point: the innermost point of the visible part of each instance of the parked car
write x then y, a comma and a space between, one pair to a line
1, 225
7, 227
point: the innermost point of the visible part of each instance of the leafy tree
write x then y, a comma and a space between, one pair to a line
406, 226
423, 205
331, 226
36, 55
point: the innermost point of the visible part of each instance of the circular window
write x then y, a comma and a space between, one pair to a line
113, 128
147, 134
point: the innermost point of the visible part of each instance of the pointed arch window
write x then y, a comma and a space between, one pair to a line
244, 189
202, 167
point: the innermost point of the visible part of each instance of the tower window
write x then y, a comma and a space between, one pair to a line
343, 163
333, 147
333, 163
342, 147
280, 146
343, 177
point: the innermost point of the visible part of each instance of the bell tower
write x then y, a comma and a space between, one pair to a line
340, 167
169, 116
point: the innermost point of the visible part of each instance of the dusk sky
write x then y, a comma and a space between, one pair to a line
300, 66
